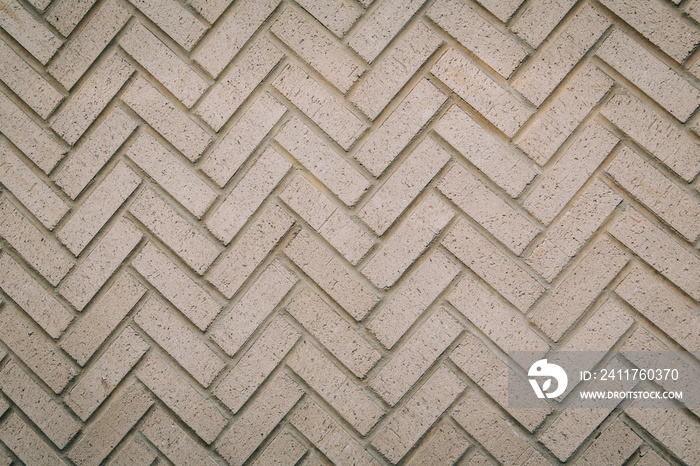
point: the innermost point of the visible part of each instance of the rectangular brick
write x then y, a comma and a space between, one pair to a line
284, 449
170, 121
35, 247
502, 9
34, 36
135, 452
330, 221
445, 445
651, 458
98, 207
418, 414
487, 153
98, 382
27, 83
84, 48
415, 357
334, 277
539, 18
645, 71
556, 123
35, 350
322, 161
569, 173
232, 331
325, 109
52, 418
656, 133
171, 227
661, 251
98, 322
257, 364
179, 180
174, 19
491, 212
65, 15
174, 442
499, 271
177, 287
337, 15
100, 263
615, 445
237, 83
482, 92
462, 22
34, 299
25, 443
250, 192
399, 190
241, 140
399, 128
389, 74
159, 60
181, 397
82, 166
210, 9
187, 349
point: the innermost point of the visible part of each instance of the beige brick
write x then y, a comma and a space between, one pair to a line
651, 458
444, 446
400, 127
169, 120
255, 424
334, 332
27, 83
25, 443
33, 245
100, 263
34, 36
181, 397
135, 452
178, 288
35, 350
334, 277
336, 15
173, 18
179, 180
210, 9
614, 446
32, 297
325, 109
328, 436
98, 207
539, 18
322, 161
491, 212
98, 382
174, 442
462, 22
480, 91
568, 234
236, 84
408, 241
187, 349
492, 265
661, 251
84, 48
657, 192
82, 166
242, 139
323, 216
284, 449
418, 414
395, 69
653, 131
397, 192
174, 230
413, 358
40, 407
412, 298
257, 363
225, 40
159, 60
101, 318
645, 71
486, 152
232, 331
570, 172
579, 288
478, 459
557, 122
672, 427
502, 9
65, 15
650, 297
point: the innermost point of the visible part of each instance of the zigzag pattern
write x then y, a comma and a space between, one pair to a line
311, 232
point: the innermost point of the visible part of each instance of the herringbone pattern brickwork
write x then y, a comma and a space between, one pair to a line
311, 231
